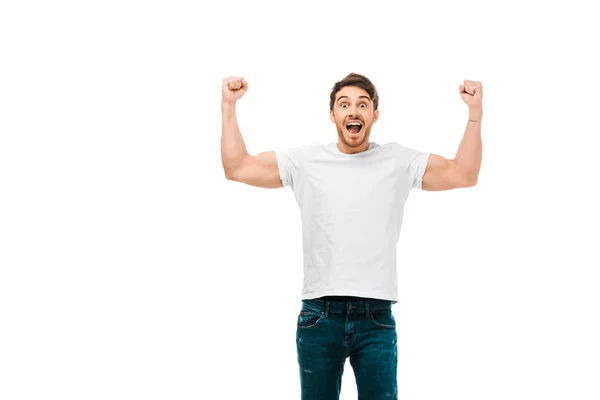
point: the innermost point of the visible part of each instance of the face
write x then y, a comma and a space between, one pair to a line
353, 116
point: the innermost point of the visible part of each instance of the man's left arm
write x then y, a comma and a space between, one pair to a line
463, 170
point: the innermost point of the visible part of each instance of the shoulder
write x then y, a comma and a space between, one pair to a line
295, 149
412, 157
405, 151
295, 153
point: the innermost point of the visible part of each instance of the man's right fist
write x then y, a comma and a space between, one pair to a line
234, 87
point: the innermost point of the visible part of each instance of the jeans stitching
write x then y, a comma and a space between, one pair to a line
380, 324
308, 327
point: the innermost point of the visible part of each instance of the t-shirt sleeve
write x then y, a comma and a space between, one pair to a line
283, 164
288, 161
415, 163
416, 167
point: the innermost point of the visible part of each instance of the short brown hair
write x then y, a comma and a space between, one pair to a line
358, 80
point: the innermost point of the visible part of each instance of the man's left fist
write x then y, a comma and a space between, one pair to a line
471, 93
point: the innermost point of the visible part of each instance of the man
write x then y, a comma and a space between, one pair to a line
351, 195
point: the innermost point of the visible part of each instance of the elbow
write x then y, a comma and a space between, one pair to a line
466, 176
468, 179
229, 175
471, 180
230, 171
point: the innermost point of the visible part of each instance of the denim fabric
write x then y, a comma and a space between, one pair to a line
328, 332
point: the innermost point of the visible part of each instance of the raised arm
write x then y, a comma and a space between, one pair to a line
259, 170
463, 170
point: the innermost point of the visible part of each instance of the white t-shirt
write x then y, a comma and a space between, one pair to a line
351, 207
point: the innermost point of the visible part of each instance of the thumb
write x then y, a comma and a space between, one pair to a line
461, 89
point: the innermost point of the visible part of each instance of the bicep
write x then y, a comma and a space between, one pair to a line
260, 170
443, 174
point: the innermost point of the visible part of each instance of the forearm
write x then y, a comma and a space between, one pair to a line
468, 156
233, 148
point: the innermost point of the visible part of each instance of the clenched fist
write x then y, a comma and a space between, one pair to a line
471, 93
234, 87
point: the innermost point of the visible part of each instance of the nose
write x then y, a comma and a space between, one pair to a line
353, 112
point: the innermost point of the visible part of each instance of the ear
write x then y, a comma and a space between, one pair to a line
375, 115
331, 117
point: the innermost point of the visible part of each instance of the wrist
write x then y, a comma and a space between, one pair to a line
475, 114
227, 105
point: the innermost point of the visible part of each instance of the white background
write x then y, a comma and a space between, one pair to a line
132, 269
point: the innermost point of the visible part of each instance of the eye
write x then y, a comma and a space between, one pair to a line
343, 105
363, 104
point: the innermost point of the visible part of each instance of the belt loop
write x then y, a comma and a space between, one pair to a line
367, 307
327, 308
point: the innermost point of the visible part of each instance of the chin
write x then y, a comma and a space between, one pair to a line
354, 142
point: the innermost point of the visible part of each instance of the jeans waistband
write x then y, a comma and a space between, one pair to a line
346, 307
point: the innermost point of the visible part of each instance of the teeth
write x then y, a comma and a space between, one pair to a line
354, 123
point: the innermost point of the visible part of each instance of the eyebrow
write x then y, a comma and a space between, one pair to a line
360, 97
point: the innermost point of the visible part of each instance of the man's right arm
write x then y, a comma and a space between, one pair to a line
260, 170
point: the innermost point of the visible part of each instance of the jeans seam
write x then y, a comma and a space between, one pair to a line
308, 327
380, 324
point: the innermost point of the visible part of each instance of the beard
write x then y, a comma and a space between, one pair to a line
353, 142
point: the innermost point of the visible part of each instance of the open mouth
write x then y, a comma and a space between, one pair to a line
354, 128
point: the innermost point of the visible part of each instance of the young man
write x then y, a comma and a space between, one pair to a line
351, 195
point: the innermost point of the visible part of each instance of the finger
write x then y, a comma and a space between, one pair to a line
473, 84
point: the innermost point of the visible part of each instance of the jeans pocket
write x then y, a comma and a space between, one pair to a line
383, 318
308, 319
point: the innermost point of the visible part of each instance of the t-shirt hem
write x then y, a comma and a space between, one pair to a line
354, 293
422, 166
281, 166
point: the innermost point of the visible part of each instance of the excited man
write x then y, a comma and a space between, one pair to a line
351, 195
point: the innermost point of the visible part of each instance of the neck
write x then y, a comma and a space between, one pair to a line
344, 148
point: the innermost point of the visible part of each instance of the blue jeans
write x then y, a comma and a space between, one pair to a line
328, 332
